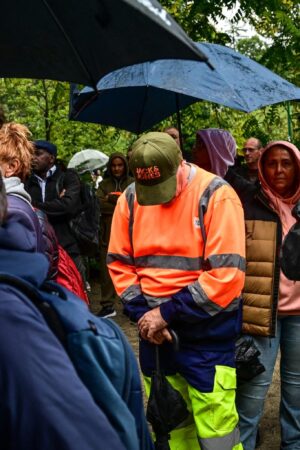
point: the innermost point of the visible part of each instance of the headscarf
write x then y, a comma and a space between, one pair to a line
221, 148
282, 205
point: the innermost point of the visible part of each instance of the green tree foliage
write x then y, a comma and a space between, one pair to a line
44, 105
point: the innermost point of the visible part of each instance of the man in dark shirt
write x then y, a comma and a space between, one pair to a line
57, 193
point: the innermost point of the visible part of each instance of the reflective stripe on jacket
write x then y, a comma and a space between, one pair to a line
158, 250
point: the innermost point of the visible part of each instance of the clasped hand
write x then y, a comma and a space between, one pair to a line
153, 327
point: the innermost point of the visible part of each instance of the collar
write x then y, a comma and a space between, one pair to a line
49, 174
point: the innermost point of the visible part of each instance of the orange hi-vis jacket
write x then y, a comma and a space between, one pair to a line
159, 250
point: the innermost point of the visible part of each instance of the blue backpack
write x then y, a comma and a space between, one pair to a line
101, 355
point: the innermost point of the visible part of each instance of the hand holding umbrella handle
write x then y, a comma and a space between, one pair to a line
175, 343
175, 339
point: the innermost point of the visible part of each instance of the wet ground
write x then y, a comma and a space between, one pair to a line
270, 438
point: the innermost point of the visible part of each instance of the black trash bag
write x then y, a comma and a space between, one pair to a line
290, 249
247, 362
166, 407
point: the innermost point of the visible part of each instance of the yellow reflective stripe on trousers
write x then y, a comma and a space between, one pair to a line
215, 415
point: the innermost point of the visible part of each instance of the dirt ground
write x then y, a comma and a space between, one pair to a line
269, 427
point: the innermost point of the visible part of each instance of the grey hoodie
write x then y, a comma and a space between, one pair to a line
14, 186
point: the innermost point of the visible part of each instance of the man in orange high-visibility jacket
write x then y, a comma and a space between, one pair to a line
177, 260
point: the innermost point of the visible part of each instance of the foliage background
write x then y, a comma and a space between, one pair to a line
44, 105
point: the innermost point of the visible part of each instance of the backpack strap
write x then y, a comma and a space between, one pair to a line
51, 317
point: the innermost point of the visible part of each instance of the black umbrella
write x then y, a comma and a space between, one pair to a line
166, 407
80, 41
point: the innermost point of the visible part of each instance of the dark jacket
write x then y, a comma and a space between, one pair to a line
58, 210
109, 185
44, 405
245, 172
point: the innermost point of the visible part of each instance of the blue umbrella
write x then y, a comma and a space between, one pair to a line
137, 97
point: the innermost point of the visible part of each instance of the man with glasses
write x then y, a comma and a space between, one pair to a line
251, 150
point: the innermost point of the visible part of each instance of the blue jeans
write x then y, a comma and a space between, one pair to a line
251, 395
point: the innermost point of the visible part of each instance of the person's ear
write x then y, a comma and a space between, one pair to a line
11, 168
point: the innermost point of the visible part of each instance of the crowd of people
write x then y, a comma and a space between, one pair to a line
192, 250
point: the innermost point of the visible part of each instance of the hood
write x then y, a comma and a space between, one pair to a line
32, 267
117, 155
295, 152
21, 229
14, 186
221, 148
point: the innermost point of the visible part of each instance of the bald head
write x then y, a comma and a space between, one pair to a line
174, 133
252, 151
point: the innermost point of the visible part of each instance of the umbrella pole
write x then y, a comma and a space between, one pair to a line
179, 121
289, 120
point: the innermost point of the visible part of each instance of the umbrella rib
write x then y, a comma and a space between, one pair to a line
86, 104
77, 55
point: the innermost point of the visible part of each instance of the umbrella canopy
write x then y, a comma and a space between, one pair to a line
88, 159
81, 41
136, 98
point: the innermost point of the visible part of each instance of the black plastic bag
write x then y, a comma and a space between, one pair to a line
247, 362
166, 407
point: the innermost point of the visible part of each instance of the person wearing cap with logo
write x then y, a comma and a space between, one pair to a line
57, 194
177, 260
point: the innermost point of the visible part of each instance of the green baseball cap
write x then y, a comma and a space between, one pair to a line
154, 162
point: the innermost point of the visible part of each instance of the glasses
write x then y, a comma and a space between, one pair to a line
250, 150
